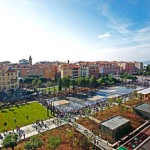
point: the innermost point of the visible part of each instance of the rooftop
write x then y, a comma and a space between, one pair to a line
95, 98
115, 122
145, 91
144, 107
61, 102
113, 96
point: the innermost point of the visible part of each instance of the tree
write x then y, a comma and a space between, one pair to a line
73, 83
66, 82
81, 82
33, 143
60, 85
88, 112
15, 120
34, 83
49, 85
119, 101
93, 82
39, 83
84, 142
5, 124
10, 141
87, 81
27, 117
53, 142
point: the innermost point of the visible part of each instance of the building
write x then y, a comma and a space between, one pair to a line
71, 70
50, 72
9, 78
84, 71
23, 61
109, 68
138, 67
65, 70
30, 60
143, 110
127, 67
93, 70
31, 71
116, 127
145, 93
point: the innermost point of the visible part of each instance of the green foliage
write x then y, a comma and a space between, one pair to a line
107, 80
43, 80
88, 111
147, 70
66, 82
93, 82
33, 143
81, 82
60, 85
85, 144
54, 141
39, 82
129, 77
28, 80
10, 141
73, 83
69, 133
119, 101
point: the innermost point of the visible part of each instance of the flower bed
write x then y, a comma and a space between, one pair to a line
90, 124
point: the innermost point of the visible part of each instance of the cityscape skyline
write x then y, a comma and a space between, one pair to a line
75, 30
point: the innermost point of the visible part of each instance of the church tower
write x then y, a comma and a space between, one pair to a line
30, 60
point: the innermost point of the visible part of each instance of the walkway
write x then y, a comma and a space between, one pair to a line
95, 139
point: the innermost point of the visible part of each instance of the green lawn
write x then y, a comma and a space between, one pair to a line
34, 110
47, 89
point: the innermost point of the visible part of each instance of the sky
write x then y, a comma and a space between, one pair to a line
88, 30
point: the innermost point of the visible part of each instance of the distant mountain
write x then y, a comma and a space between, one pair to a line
146, 62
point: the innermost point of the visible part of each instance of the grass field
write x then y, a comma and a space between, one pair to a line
47, 89
34, 110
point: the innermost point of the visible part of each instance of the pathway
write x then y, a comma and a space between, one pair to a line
95, 139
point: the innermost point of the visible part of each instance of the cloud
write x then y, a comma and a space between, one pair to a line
119, 25
103, 36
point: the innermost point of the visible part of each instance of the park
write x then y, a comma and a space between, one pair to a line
22, 115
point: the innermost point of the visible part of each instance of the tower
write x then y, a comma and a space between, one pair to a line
30, 60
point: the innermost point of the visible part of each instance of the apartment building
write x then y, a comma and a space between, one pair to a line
127, 67
138, 67
71, 70
93, 70
8, 78
50, 71
84, 71
109, 68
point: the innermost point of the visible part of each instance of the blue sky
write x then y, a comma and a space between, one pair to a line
75, 29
